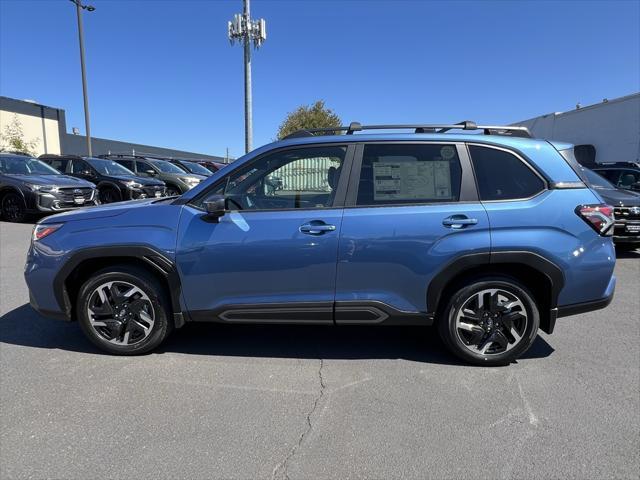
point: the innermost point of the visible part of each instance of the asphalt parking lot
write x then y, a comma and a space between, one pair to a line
316, 402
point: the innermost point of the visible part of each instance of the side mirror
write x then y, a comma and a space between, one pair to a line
215, 206
150, 172
88, 173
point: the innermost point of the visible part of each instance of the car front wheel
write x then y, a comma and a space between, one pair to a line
13, 208
124, 310
490, 321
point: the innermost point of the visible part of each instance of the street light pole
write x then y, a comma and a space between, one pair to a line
79, 8
243, 29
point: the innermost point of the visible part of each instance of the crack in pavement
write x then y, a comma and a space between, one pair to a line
283, 465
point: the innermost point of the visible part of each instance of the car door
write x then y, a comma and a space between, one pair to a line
411, 209
272, 257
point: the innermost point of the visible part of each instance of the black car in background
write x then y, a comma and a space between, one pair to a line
622, 174
29, 186
115, 183
626, 206
191, 167
178, 181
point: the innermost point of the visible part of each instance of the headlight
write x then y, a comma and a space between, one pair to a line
42, 188
132, 184
41, 231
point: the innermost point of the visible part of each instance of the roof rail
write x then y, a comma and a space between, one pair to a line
522, 132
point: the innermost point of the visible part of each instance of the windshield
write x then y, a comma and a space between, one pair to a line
166, 167
109, 167
596, 181
25, 166
196, 168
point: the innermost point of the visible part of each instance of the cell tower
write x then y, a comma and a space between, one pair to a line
247, 31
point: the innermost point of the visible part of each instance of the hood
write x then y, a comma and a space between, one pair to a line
135, 178
56, 180
103, 211
618, 197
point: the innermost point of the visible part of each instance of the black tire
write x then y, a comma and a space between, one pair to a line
157, 296
173, 191
13, 208
109, 195
463, 343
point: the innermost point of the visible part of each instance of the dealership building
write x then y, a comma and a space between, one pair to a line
47, 128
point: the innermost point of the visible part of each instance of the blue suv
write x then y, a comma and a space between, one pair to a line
487, 234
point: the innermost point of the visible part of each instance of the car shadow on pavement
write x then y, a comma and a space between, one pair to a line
24, 326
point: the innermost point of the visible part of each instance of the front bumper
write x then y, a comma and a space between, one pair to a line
55, 314
65, 199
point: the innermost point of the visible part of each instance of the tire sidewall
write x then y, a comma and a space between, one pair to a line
448, 326
23, 212
162, 326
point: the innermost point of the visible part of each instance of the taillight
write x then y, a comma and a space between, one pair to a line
41, 231
599, 217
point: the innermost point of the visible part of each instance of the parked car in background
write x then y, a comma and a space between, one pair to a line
212, 166
115, 183
622, 174
488, 236
29, 186
177, 180
191, 167
626, 204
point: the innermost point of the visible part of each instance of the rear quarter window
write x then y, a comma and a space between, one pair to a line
503, 176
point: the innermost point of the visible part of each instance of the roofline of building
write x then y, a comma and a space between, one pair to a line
606, 101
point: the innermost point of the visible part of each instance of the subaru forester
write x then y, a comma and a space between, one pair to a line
487, 234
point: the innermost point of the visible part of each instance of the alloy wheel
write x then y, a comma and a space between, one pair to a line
491, 321
120, 313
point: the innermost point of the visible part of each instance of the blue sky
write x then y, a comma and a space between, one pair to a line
163, 72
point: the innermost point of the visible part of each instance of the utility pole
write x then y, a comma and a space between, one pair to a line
245, 30
85, 95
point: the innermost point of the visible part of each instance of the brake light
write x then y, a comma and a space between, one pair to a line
599, 217
41, 231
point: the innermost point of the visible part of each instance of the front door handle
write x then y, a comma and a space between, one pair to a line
457, 222
316, 227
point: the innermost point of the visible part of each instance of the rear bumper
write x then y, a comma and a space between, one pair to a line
582, 307
577, 308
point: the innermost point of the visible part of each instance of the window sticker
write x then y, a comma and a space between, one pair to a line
399, 179
448, 152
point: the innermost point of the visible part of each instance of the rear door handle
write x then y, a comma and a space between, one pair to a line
316, 227
457, 222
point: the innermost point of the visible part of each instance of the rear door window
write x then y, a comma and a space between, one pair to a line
409, 174
503, 176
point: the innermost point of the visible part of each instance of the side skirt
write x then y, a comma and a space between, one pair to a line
321, 313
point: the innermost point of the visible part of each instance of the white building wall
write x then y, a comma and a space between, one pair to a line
44, 131
613, 127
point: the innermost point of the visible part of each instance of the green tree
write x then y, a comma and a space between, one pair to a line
12, 138
308, 116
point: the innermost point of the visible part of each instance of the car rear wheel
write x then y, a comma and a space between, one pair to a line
109, 195
13, 208
124, 310
490, 321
